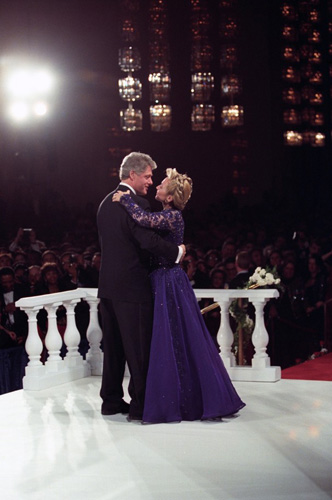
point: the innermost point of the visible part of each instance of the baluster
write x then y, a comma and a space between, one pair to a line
94, 336
260, 337
72, 336
33, 344
225, 335
53, 340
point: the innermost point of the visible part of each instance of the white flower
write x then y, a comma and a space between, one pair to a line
261, 282
269, 279
263, 277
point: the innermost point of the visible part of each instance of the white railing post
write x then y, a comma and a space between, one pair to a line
33, 344
260, 337
72, 336
53, 340
94, 335
225, 336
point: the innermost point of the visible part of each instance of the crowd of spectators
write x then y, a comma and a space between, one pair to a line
221, 253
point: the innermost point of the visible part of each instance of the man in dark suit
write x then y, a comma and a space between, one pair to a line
124, 289
242, 264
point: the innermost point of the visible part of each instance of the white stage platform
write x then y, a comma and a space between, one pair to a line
56, 445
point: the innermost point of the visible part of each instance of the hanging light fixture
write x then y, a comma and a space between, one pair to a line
160, 117
232, 116
159, 76
202, 117
130, 87
202, 80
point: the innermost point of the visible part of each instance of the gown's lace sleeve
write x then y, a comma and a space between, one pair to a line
165, 220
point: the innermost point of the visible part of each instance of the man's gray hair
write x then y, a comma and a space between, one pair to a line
136, 162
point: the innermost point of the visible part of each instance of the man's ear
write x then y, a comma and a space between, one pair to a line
131, 175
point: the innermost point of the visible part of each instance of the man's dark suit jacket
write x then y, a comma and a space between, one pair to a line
240, 280
125, 248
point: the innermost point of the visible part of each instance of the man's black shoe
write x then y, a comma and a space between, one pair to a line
124, 409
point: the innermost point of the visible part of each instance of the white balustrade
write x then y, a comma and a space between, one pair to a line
56, 370
260, 369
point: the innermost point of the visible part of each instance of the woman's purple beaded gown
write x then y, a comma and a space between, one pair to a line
187, 379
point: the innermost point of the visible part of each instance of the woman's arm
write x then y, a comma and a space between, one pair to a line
157, 220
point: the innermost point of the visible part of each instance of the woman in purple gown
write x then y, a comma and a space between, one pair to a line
186, 379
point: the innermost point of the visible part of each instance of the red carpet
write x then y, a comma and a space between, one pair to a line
314, 369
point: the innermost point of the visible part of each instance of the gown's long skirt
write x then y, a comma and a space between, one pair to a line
186, 379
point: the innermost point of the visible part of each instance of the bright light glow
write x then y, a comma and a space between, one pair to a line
40, 108
19, 111
43, 81
29, 82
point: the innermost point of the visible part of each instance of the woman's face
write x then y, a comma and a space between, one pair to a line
218, 280
275, 259
288, 271
51, 277
162, 192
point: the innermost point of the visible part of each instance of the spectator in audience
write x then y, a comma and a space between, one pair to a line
6, 260
217, 277
20, 257
197, 278
92, 271
8, 338
230, 270
211, 259
26, 240
34, 258
51, 279
49, 256
21, 275
228, 250
242, 264
275, 260
314, 298
75, 275
256, 258
12, 318
287, 322
34, 279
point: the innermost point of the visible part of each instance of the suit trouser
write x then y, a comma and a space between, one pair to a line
127, 330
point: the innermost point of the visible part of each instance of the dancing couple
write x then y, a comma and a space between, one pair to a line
152, 319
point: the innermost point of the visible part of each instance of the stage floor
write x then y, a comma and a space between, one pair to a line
55, 445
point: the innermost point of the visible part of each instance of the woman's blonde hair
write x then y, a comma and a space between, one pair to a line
180, 186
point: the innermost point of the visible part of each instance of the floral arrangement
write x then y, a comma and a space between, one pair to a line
263, 278
238, 310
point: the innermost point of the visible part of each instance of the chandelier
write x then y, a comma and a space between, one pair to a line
159, 76
232, 116
202, 80
130, 87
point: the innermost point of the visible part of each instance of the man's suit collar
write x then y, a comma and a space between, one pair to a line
127, 186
